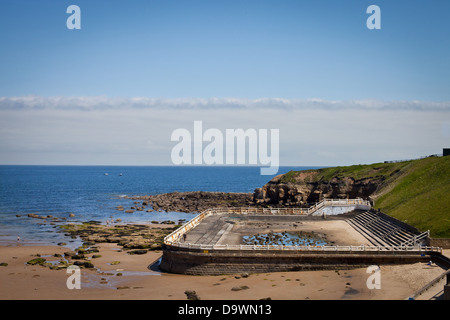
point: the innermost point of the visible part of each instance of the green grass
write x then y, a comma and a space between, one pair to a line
416, 192
357, 172
421, 196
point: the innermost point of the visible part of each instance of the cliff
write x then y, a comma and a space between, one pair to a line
302, 188
306, 193
415, 191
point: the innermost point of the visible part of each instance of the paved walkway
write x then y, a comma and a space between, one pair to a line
210, 231
230, 228
437, 291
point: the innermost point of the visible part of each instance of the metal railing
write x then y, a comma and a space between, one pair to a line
428, 286
361, 248
293, 211
174, 239
177, 235
414, 240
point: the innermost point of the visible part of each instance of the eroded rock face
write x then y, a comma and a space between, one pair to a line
302, 193
303, 189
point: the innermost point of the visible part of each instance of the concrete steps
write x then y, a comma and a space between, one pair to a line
379, 230
373, 239
211, 233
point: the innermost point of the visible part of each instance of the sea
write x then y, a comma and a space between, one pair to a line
75, 194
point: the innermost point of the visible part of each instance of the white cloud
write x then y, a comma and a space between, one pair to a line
136, 131
105, 103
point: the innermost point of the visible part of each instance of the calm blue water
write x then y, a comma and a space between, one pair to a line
89, 194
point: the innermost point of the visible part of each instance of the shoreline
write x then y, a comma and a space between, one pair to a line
117, 274
109, 271
139, 280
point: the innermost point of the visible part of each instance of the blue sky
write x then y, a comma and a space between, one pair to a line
112, 92
211, 48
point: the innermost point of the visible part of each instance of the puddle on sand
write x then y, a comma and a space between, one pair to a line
111, 279
350, 293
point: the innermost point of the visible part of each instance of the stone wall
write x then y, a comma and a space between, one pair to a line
216, 262
442, 242
395, 221
339, 210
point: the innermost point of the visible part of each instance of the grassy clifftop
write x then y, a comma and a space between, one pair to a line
385, 171
416, 191
420, 196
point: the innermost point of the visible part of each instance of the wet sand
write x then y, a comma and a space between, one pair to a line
139, 281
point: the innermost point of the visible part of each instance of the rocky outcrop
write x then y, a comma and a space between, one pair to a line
129, 236
195, 201
304, 190
301, 191
294, 189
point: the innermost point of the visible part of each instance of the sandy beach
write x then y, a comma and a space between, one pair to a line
119, 275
